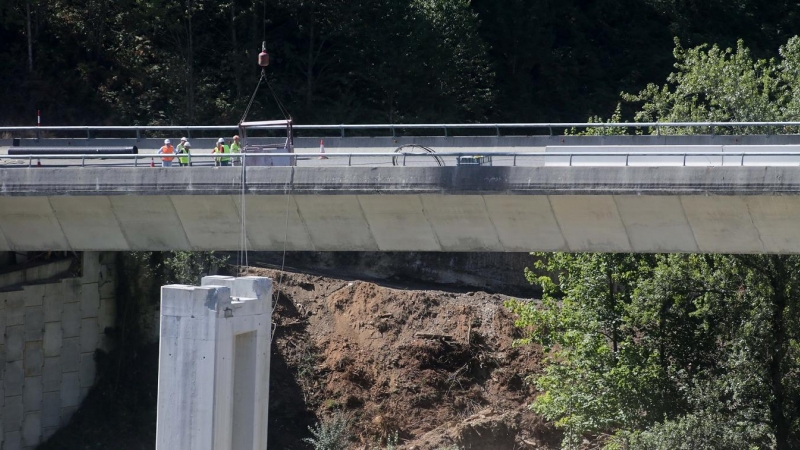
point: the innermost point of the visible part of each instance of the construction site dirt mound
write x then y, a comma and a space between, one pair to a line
422, 369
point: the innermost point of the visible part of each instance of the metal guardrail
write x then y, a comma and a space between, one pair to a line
393, 128
394, 157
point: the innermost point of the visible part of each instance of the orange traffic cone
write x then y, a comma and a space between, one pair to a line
322, 149
152, 164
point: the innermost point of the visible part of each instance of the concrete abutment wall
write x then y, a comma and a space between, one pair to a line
48, 336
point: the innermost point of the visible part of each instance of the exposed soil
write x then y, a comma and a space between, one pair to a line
438, 368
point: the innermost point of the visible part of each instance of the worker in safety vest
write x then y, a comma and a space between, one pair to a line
167, 149
183, 152
222, 149
236, 147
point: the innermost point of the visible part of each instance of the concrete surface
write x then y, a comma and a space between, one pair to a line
610, 209
35, 274
49, 333
213, 376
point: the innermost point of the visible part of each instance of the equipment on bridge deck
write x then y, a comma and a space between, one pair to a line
285, 147
134, 150
409, 148
474, 160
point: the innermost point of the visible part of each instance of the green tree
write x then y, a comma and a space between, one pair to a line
679, 351
648, 346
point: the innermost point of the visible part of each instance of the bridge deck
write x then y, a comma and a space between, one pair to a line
639, 209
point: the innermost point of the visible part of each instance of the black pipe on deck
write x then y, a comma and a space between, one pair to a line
134, 150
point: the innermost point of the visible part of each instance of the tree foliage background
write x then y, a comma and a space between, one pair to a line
678, 351
333, 61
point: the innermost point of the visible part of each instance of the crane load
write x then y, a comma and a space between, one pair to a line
266, 160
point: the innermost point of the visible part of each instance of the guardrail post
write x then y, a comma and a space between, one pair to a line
627, 156
658, 130
349, 159
514, 163
404, 159
38, 134
551, 130
243, 161
497, 129
83, 160
712, 131
88, 133
570, 159
136, 160
445, 131
393, 130
341, 127
684, 160
138, 134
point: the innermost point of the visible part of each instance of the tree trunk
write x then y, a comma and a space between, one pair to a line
30, 36
190, 106
778, 353
236, 72
612, 306
310, 63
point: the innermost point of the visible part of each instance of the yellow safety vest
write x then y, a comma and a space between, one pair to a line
225, 149
182, 150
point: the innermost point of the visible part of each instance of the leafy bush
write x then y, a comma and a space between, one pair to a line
693, 432
331, 434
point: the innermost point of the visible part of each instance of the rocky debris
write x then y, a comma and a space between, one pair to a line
436, 368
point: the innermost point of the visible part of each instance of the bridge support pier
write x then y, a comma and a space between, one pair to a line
213, 375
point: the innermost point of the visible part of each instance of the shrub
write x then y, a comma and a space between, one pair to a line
331, 434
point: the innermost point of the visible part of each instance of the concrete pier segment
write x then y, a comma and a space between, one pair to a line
214, 364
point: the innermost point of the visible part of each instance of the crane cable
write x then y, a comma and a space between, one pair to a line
281, 107
243, 231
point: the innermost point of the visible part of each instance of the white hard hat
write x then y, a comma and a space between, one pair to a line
183, 139
220, 141
166, 141
187, 144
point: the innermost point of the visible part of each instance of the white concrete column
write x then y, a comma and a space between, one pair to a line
213, 376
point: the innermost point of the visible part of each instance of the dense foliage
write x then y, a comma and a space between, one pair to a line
670, 351
193, 61
679, 351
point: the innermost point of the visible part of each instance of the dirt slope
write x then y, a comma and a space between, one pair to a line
436, 367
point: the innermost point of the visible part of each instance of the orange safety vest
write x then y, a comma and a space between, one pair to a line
168, 150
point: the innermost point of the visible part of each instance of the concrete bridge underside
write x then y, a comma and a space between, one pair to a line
495, 209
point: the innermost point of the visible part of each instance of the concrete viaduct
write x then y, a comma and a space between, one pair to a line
459, 209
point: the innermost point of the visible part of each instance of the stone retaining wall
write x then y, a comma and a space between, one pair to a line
48, 336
